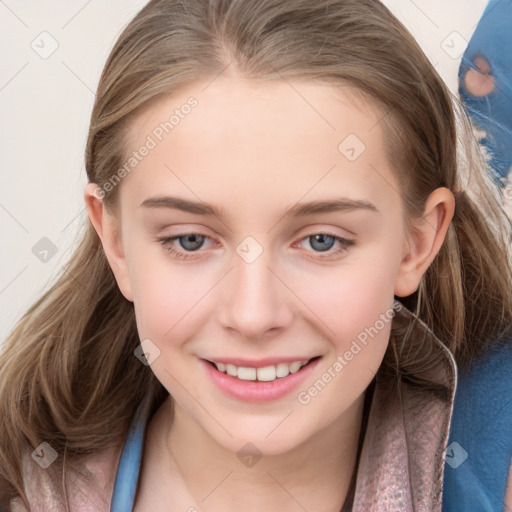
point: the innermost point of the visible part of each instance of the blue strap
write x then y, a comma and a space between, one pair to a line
129, 465
476, 468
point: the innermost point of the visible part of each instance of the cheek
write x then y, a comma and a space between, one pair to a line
163, 294
354, 306
357, 314
356, 317
352, 297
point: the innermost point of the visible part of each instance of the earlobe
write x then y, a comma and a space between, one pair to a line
425, 241
107, 228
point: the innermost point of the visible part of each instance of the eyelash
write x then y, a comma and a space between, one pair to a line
165, 241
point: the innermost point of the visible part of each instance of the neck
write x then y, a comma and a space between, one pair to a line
314, 475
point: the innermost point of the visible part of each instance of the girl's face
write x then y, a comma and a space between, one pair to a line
262, 224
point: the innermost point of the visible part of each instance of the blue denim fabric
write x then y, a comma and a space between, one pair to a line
492, 113
476, 468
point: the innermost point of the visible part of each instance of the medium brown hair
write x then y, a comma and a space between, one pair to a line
68, 372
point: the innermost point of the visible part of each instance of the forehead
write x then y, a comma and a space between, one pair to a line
253, 139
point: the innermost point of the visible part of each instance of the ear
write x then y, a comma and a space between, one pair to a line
425, 240
108, 228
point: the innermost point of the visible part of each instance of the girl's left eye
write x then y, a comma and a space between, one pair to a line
192, 242
319, 241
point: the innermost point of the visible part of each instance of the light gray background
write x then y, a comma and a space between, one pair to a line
46, 104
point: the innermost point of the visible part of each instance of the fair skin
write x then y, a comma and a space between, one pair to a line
253, 150
479, 82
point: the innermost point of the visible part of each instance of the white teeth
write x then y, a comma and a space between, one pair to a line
294, 367
265, 374
246, 373
282, 369
232, 370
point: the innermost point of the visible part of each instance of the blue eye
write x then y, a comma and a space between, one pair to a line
320, 242
323, 243
190, 243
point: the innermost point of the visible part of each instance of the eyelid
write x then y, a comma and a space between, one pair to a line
184, 254
344, 242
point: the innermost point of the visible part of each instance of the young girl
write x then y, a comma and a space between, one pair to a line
293, 249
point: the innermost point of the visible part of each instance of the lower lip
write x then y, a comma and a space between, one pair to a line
258, 391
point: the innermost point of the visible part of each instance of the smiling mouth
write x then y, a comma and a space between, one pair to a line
268, 373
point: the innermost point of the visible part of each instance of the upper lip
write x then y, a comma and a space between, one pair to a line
258, 363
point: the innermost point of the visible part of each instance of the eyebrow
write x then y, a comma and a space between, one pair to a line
298, 210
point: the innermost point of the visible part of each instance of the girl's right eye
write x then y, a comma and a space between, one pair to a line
194, 241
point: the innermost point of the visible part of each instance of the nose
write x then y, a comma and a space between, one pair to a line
255, 300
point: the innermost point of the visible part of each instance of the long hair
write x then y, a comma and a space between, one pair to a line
67, 370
